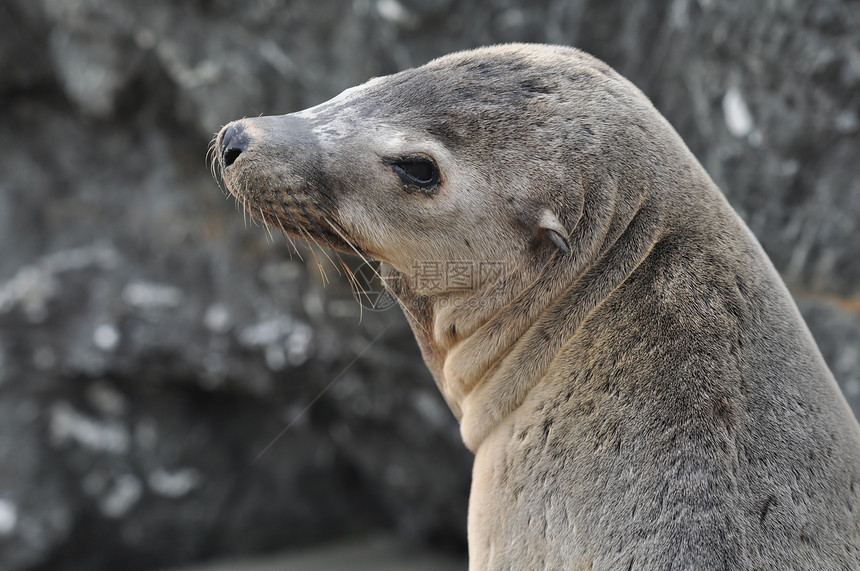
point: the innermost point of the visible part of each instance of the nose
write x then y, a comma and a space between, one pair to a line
233, 142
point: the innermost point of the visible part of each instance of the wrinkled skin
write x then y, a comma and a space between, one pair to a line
636, 383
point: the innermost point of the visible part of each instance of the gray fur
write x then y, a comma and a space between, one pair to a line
651, 400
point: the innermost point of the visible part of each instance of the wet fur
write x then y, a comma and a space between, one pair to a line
651, 399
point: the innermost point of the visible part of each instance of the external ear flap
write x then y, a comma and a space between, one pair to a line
559, 241
556, 232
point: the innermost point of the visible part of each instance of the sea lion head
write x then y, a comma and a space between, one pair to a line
455, 160
525, 159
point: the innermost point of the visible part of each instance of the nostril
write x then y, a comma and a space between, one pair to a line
234, 142
230, 155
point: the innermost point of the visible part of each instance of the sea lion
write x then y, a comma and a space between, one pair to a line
636, 383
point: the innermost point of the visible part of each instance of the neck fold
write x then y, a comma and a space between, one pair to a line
485, 376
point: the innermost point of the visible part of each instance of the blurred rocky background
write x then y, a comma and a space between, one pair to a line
174, 387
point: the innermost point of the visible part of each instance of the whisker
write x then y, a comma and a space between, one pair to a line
325, 252
289, 238
310, 238
311, 241
314, 224
340, 264
314, 244
354, 284
377, 274
351, 245
344, 234
214, 163
266, 224
210, 157
289, 213
353, 281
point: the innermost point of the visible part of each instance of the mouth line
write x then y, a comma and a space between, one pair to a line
304, 223
328, 239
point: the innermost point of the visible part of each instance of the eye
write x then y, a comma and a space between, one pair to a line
416, 171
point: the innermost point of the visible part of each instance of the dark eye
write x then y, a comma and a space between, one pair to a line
416, 171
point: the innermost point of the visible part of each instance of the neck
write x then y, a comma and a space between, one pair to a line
507, 381
485, 362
